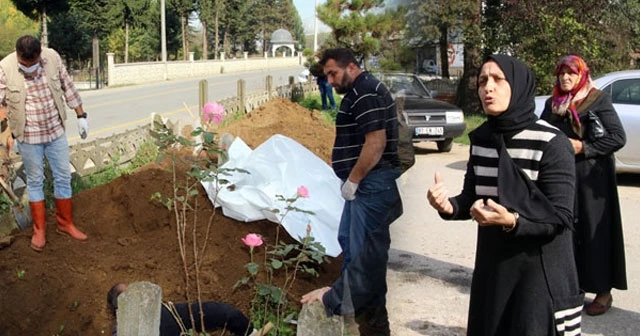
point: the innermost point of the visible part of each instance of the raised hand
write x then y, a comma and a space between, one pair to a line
437, 196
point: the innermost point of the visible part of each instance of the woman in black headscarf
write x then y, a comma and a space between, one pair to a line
519, 188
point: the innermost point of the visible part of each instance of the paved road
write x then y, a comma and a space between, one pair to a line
113, 110
431, 260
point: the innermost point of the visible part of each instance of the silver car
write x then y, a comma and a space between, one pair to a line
624, 88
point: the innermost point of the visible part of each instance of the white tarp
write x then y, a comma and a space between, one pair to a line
278, 167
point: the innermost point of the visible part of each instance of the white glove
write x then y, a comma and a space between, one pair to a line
83, 127
349, 190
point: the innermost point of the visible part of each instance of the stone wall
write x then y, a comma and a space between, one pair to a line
145, 72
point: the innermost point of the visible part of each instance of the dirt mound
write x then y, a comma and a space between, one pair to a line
131, 238
281, 116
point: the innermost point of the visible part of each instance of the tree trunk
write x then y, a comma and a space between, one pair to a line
205, 44
444, 50
467, 93
45, 34
216, 48
225, 43
183, 21
126, 42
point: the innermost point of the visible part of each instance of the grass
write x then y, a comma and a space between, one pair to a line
314, 102
473, 121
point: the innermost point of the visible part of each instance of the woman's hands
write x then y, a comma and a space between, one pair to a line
437, 196
491, 213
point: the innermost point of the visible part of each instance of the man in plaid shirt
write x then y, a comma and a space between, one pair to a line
34, 87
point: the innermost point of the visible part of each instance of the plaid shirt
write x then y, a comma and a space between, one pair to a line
43, 123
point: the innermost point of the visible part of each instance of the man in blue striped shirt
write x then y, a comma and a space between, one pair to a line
365, 157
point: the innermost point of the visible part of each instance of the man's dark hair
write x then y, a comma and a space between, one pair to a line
342, 56
112, 296
28, 48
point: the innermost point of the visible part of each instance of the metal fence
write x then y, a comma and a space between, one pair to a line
88, 79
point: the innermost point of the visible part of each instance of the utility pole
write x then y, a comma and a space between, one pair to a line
163, 38
315, 26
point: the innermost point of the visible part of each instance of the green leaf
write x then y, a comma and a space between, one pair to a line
252, 268
262, 291
241, 282
276, 264
276, 293
208, 137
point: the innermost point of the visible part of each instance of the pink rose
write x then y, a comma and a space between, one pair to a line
252, 240
212, 111
303, 192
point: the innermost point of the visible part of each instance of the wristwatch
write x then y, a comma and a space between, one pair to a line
83, 115
515, 222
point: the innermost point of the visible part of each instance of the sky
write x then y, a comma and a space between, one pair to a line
306, 12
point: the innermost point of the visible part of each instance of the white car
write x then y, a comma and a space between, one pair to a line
624, 88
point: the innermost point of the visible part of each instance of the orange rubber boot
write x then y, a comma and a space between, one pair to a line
38, 239
65, 221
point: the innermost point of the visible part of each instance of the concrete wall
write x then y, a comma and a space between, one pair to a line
145, 72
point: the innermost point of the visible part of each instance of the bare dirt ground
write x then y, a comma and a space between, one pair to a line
133, 239
62, 291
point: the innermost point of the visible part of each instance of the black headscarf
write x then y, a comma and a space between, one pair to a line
521, 110
516, 191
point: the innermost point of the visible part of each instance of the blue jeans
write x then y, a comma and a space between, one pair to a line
326, 91
376, 206
365, 240
57, 154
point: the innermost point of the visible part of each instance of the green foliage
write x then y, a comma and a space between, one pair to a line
540, 32
35, 8
129, 12
13, 24
389, 65
270, 302
359, 25
313, 102
5, 203
231, 118
73, 44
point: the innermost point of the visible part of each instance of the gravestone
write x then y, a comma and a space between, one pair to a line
314, 321
139, 310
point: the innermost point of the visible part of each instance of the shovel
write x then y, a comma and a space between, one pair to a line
21, 213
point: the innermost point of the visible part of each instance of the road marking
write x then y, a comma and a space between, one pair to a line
134, 122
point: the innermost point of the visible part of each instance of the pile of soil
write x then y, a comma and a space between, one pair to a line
62, 291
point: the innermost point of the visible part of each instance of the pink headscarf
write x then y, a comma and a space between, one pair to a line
563, 102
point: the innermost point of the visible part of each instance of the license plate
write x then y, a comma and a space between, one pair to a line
429, 131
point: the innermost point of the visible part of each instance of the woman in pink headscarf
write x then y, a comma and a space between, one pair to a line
587, 116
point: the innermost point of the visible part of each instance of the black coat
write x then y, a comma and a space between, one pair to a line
599, 240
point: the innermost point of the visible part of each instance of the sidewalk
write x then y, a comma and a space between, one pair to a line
431, 260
